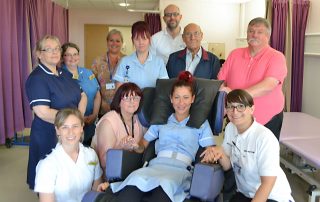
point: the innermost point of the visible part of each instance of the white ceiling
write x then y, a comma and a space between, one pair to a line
149, 5
137, 5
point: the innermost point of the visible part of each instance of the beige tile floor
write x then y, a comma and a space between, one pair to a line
13, 167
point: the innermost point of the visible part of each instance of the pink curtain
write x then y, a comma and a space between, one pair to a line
279, 23
12, 58
300, 12
22, 23
154, 22
47, 18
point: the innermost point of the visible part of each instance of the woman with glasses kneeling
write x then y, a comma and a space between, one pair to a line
168, 176
252, 152
71, 169
119, 128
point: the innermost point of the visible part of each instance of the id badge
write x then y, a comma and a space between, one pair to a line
110, 86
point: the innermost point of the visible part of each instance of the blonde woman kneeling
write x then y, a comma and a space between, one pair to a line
71, 169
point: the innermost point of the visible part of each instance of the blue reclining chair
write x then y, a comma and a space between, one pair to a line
207, 179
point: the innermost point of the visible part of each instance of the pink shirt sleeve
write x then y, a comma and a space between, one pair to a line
277, 67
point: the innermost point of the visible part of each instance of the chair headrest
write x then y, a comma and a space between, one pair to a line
206, 91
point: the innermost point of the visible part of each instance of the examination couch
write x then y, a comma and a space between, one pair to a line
300, 151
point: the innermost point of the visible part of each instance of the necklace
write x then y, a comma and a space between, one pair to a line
125, 126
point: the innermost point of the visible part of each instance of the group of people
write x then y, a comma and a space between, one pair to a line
75, 107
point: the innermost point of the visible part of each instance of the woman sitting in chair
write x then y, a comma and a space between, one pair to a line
71, 169
120, 128
168, 176
252, 152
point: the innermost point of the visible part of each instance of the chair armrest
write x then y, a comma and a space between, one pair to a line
207, 181
91, 196
120, 163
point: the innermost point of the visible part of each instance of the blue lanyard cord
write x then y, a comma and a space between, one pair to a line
109, 66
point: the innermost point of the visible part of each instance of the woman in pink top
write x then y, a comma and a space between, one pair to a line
120, 128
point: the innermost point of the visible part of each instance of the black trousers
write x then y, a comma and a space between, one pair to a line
275, 124
134, 194
239, 197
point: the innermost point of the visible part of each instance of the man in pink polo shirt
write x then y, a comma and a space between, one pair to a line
260, 70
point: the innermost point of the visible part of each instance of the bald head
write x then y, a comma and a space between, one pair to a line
171, 7
191, 27
192, 37
172, 17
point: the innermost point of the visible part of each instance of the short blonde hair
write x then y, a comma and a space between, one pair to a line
113, 32
40, 45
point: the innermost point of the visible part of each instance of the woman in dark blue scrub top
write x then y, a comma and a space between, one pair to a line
48, 89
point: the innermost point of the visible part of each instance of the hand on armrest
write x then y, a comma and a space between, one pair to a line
214, 154
141, 146
103, 186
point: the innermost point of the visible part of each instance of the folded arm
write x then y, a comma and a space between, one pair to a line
264, 87
96, 106
260, 89
83, 103
45, 113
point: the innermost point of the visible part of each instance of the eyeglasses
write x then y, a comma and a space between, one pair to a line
239, 107
71, 55
175, 14
190, 34
52, 50
131, 98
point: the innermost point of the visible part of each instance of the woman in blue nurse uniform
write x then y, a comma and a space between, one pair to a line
141, 67
88, 83
168, 177
48, 89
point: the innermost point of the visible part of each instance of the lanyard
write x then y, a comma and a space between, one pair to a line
109, 66
124, 124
